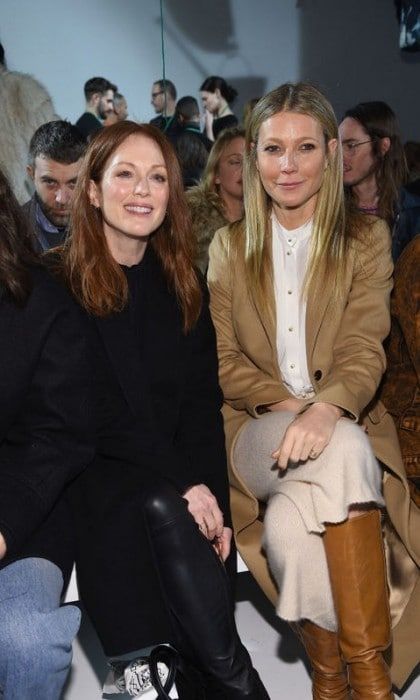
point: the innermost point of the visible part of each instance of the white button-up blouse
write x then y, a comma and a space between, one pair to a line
290, 257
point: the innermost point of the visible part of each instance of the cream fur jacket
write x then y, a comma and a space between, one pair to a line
25, 105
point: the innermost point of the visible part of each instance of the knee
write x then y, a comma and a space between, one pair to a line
350, 439
39, 642
283, 526
162, 504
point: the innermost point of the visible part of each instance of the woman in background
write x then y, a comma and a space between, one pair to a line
218, 199
217, 97
45, 442
152, 511
300, 300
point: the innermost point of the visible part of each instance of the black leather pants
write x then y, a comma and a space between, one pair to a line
197, 590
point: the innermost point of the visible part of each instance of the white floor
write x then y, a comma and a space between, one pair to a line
275, 652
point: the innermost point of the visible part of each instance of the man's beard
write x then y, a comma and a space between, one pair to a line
102, 113
52, 216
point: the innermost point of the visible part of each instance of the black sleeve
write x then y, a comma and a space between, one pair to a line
45, 435
200, 434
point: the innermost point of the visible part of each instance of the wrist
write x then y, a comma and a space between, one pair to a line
329, 408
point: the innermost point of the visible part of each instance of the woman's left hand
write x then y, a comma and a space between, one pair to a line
308, 434
222, 543
205, 510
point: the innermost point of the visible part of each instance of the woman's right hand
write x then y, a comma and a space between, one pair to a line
308, 434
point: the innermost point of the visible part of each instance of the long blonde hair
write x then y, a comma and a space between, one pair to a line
330, 233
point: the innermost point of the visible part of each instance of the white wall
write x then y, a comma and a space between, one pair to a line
349, 47
65, 42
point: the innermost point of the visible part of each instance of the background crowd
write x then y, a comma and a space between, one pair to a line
43, 159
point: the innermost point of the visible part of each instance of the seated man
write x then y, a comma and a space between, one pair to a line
375, 170
99, 95
55, 156
187, 119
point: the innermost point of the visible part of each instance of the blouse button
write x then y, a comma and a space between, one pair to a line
317, 375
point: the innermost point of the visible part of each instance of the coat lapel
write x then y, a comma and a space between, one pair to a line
316, 307
266, 310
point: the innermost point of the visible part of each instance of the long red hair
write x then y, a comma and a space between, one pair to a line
93, 275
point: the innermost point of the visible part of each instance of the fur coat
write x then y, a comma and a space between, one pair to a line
207, 216
25, 105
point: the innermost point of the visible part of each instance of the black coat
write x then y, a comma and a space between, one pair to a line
158, 415
88, 125
45, 433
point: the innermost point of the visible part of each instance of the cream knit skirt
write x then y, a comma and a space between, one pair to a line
299, 503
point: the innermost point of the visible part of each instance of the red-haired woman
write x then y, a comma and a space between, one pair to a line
152, 509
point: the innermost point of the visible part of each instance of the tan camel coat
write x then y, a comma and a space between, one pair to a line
346, 362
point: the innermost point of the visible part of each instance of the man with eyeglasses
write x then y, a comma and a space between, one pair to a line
163, 99
375, 170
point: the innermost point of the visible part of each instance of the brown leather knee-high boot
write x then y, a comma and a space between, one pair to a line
329, 672
356, 566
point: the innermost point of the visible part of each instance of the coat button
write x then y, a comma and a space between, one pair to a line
317, 375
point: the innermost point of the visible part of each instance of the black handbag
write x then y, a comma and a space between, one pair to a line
170, 657
188, 681
163, 669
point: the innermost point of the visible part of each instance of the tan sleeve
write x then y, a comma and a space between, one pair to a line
245, 385
358, 355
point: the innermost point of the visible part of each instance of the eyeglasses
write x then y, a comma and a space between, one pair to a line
350, 148
156, 94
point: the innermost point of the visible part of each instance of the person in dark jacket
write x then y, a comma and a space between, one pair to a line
400, 391
187, 119
163, 99
99, 95
55, 156
45, 442
375, 170
152, 510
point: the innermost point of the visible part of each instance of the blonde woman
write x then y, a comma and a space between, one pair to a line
300, 300
218, 199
